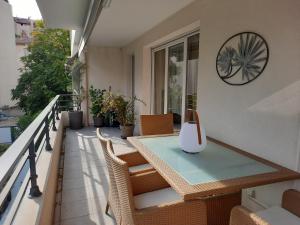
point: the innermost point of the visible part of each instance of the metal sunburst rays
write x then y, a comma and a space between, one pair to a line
242, 58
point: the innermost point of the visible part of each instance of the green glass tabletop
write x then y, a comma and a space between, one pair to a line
214, 163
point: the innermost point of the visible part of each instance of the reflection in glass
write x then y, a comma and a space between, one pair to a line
159, 81
175, 78
192, 72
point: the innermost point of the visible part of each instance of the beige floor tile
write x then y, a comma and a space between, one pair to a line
76, 209
75, 194
85, 183
78, 172
93, 219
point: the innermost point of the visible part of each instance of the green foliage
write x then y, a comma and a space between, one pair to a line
123, 108
43, 75
3, 148
24, 121
97, 101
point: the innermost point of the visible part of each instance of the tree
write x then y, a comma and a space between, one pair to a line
43, 75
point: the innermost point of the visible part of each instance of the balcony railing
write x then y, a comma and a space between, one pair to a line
21, 157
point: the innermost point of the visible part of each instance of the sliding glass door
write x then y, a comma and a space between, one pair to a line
175, 71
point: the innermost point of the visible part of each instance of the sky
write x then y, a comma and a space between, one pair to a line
25, 9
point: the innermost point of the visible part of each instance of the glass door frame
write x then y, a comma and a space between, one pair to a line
166, 46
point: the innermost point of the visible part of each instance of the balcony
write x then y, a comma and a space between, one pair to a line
55, 175
85, 179
71, 173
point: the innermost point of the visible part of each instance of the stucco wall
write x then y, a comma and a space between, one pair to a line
261, 117
105, 69
8, 68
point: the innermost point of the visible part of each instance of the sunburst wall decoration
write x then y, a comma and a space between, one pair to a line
242, 58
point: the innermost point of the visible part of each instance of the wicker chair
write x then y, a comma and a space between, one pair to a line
156, 124
148, 199
113, 196
136, 162
134, 159
290, 211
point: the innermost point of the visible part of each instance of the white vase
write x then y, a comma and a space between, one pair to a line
188, 138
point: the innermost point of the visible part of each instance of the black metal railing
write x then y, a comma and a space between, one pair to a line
21, 157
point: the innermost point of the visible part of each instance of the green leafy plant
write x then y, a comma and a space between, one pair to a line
24, 121
122, 106
3, 148
77, 99
43, 75
97, 96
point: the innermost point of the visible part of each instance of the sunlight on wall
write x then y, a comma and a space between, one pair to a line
285, 102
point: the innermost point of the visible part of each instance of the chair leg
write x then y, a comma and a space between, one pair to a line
107, 208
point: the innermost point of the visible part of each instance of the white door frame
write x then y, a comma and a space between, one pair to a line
166, 46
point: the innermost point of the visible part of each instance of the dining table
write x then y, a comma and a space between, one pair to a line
215, 175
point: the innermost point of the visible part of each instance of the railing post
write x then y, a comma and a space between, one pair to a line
34, 189
48, 146
57, 108
53, 119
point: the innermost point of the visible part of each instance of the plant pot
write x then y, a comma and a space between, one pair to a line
98, 121
75, 119
126, 131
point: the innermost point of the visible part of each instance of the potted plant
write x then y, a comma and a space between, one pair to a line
97, 102
124, 109
76, 115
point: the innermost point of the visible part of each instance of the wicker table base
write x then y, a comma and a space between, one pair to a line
219, 208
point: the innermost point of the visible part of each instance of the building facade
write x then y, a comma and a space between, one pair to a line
8, 55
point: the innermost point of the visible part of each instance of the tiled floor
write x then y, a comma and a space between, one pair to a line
85, 180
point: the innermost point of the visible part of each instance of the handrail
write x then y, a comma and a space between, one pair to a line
23, 153
12, 155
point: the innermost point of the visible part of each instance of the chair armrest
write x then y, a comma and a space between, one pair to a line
242, 216
291, 201
147, 182
132, 158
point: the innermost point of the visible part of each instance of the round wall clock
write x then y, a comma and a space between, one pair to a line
242, 58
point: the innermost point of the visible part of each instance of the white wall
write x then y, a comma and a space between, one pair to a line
8, 68
261, 117
105, 69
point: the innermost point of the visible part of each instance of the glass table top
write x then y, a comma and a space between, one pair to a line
214, 163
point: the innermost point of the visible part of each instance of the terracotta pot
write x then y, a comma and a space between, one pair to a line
126, 131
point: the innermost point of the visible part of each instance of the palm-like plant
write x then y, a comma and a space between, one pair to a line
250, 55
249, 58
225, 60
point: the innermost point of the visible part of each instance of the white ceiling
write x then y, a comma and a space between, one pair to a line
125, 20
67, 14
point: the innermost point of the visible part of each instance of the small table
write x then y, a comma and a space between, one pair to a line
216, 175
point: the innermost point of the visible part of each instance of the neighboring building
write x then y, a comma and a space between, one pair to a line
23, 30
17, 32
8, 65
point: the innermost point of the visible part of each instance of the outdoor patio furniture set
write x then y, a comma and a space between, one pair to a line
160, 184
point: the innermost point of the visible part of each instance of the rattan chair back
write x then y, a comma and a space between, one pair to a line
157, 124
113, 196
122, 178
